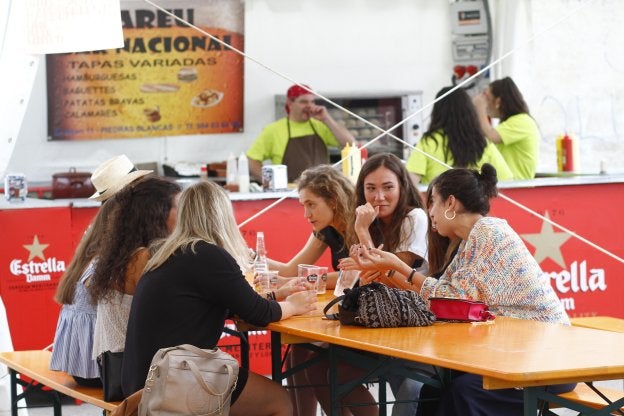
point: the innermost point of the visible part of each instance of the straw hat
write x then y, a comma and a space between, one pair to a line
113, 175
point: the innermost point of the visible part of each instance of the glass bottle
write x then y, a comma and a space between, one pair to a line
260, 262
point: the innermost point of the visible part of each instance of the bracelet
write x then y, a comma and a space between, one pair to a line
411, 276
271, 296
390, 273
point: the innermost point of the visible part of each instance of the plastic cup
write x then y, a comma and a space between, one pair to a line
321, 281
266, 282
346, 280
310, 273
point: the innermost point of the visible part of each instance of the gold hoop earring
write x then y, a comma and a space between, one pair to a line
447, 216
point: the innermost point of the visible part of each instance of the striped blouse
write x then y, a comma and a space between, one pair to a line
73, 340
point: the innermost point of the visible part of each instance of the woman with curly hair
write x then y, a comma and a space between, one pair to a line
454, 137
328, 199
144, 212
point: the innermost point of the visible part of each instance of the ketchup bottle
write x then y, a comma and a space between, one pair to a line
567, 153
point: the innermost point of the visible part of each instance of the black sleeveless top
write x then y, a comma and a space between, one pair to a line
330, 236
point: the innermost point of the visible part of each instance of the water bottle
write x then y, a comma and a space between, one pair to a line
260, 262
243, 173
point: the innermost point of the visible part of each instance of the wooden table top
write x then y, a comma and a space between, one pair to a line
508, 352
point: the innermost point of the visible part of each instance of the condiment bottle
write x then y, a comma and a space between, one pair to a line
231, 175
203, 173
243, 173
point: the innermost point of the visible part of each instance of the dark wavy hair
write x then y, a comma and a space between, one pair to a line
472, 188
456, 117
409, 198
139, 218
440, 249
511, 99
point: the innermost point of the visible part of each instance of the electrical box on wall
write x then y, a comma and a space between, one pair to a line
471, 42
468, 18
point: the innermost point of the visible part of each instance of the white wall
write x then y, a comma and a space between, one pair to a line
377, 45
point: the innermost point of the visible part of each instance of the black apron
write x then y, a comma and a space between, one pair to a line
303, 152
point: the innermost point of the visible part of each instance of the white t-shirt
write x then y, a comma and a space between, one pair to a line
414, 236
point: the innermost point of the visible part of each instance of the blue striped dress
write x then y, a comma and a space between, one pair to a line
73, 341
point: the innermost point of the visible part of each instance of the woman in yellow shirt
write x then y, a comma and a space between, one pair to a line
455, 138
516, 136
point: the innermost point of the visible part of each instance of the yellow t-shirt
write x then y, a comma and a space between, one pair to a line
428, 168
272, 141
520, 145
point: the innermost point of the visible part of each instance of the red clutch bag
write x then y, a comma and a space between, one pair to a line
463, 310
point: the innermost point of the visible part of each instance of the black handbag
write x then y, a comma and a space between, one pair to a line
376, 305
110, 373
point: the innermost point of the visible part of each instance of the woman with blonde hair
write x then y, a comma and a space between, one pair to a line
191, 285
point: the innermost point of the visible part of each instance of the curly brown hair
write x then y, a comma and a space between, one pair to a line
336, 189
409, 198
139, 218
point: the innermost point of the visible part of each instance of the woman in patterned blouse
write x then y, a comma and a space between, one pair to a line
492, 265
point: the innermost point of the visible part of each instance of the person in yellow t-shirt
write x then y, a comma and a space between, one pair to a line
517, 136
300, 139
455, 138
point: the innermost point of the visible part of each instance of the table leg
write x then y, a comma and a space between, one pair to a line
276, 357
13, 382
530, 401
334, 399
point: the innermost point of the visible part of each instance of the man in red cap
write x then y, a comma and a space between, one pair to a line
300, 139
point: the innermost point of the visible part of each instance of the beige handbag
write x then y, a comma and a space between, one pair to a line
186, 380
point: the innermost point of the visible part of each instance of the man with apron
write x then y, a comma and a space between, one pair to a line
300, 139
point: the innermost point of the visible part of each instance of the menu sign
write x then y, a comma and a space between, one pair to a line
168, 79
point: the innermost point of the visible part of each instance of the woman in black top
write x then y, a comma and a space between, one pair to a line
328, 200
192, 284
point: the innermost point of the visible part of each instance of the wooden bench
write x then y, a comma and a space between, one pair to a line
36, 365
583, 394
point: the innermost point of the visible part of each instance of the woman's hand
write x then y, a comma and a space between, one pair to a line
480, 103
348, 263
375, 258
369, 276
298, 303
292, 285
365, 215
281, 281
